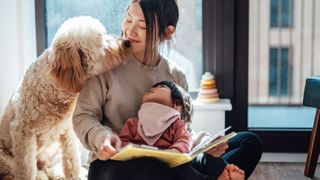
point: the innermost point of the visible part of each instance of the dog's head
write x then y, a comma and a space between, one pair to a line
79, 50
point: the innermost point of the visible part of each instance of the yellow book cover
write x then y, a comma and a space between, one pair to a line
133, 151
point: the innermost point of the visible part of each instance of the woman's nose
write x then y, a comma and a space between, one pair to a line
132, 28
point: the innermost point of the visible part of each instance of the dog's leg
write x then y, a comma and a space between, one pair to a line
6, 162
70, 155
6, 158
24, 153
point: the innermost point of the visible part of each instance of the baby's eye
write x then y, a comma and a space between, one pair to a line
163, 86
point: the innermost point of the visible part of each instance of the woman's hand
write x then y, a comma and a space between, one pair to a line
217, 151
109, 147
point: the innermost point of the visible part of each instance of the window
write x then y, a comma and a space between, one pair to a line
110, 13
279, 74
281, 13
279, 62
187, 51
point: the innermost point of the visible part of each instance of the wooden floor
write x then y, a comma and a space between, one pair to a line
282, 171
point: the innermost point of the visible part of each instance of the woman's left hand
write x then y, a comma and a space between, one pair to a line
217, 151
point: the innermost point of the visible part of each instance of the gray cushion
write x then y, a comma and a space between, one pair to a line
311, 95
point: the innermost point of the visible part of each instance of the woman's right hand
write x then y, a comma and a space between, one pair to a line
109, 147
218, 150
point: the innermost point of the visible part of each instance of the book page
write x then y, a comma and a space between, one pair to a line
211, 144
210, 139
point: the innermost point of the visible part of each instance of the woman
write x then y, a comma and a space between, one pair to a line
109, 99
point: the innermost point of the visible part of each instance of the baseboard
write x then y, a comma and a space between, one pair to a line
284, 157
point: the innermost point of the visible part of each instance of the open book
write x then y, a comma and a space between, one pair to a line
133, 151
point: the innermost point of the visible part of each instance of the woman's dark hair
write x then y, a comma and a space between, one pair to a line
179, 97
161, 12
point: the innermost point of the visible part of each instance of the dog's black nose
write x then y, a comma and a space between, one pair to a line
127, 43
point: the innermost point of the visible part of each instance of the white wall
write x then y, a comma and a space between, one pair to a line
17, 44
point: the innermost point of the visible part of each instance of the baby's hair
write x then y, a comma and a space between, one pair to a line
179, 97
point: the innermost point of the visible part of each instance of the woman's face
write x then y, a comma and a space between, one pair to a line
134, 29
160, 94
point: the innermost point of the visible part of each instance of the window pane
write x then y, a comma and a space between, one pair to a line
273, 72
278, 75
110, 13
281, 13
286, 13
280, 60
284, 72
187, 51
274, 13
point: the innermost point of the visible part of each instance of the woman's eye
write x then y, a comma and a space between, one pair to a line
142, 25
128, 20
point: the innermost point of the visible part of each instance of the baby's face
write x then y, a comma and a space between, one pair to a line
160, 94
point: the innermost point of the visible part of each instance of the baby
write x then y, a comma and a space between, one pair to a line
162, 122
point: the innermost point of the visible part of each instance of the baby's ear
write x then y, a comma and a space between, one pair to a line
170, 31
178, 108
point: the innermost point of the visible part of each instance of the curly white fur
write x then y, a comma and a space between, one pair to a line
39, 112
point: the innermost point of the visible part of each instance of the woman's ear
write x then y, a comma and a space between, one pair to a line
170, 31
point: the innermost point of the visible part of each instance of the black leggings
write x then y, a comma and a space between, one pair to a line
137, 169
244, 150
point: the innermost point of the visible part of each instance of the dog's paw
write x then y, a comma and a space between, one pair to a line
83, 175
7, 177
41, 176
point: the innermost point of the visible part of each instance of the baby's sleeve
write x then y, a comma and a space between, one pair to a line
182, 137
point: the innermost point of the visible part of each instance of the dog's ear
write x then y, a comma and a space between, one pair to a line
66, 68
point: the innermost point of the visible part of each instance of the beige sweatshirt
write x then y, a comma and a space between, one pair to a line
109, 99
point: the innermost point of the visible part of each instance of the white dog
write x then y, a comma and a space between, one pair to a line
38, 114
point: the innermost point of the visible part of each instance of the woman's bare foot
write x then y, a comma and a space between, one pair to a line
224, 175
235, 173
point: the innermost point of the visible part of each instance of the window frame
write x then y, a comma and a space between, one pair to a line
41, 33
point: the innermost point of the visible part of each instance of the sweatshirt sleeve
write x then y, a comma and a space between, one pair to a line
182, 138
180, 78
88, 115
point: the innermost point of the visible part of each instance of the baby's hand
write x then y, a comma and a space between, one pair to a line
109, 147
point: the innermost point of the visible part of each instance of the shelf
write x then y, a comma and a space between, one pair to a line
223, 104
